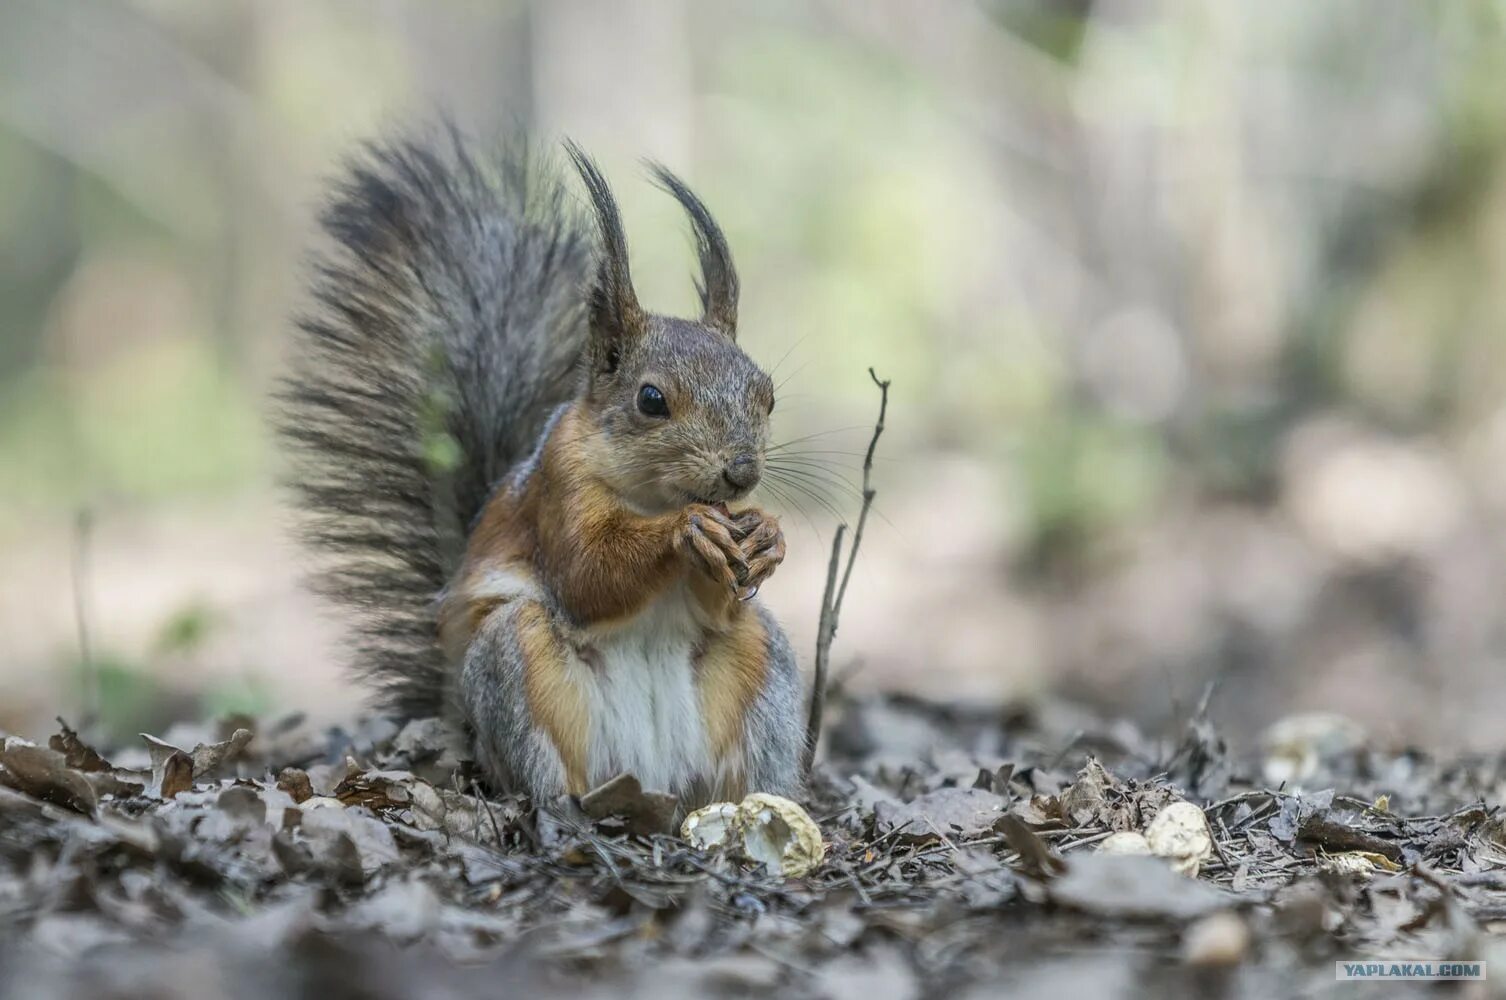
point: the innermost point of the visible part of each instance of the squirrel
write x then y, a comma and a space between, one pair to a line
521, 479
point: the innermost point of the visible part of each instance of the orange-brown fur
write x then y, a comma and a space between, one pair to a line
730, 672
602, 562
554, 701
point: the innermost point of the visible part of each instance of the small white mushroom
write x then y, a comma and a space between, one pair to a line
711, 826
779, 834
764, 829
1180, 834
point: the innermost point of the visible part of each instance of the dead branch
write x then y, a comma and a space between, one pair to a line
83, 528
831, 598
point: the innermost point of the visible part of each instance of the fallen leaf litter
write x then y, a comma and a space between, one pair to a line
937, 849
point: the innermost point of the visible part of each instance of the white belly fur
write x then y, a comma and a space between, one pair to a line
642, 702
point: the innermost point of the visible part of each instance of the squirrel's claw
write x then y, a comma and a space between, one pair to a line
764, 549
708, 535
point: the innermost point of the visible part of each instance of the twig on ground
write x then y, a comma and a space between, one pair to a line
1068, 845
476, 793
831, 598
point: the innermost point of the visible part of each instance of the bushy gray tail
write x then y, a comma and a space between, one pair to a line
448, 317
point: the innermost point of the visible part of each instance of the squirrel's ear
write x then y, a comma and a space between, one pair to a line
614, 312
718, 284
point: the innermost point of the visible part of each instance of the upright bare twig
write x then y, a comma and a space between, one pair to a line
83, 527
831, 599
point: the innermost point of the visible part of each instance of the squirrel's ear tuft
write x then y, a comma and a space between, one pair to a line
718, 284
614, 311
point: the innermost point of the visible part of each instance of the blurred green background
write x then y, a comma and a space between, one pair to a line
1194, 314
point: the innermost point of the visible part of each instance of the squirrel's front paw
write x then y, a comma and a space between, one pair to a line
709, 538
762, 544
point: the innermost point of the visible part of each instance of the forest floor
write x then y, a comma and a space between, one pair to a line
963, 857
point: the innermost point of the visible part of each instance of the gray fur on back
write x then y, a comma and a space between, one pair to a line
775, 731
493, 702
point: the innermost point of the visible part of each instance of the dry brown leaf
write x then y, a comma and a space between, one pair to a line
295, 781
946, 813
172, 769
1127, 886
171, 776
44, 773
78, 754
644, 812
1084, 801
1036, 858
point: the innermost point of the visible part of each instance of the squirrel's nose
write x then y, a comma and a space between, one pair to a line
742, 472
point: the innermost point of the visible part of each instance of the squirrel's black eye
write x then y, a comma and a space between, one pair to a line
651, 402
